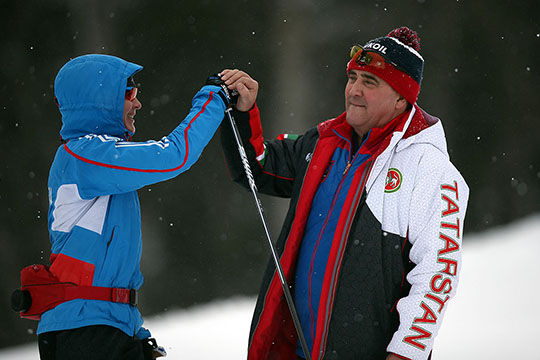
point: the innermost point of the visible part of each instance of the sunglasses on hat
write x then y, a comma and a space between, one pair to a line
371, 58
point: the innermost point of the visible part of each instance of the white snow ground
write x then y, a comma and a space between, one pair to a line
495, 314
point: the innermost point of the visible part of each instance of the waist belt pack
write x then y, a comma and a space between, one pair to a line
41, 291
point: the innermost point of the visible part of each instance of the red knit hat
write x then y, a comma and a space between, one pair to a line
403, 64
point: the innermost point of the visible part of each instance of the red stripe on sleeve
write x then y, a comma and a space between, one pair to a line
78, 157
191, 122
110, 166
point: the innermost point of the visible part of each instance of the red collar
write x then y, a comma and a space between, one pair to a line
378, 138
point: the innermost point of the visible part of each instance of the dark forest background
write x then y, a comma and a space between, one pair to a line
202, 236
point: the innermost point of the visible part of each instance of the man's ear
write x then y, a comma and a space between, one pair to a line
401, 103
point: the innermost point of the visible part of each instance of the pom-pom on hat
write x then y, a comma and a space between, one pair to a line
403, 65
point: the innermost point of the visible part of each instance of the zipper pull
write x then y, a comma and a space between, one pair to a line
347, 167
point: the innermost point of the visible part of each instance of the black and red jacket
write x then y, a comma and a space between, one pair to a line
395, 257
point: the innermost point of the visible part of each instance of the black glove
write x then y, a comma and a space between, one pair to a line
151, 350
229, 97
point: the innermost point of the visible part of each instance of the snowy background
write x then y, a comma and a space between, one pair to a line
495, 314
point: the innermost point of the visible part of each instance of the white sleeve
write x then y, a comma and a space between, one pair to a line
436, 217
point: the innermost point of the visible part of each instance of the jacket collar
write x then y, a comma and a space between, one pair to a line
377, 138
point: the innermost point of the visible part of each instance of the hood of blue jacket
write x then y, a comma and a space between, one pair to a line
90, 91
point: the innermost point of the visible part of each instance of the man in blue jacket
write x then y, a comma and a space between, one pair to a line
94, 213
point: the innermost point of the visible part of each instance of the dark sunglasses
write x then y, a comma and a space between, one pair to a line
131, 94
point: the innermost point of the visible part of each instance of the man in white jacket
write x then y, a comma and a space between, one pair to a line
371, 243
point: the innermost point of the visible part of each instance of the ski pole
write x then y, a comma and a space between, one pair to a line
279, 269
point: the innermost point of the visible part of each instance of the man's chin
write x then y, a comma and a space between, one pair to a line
130, 127
355, 115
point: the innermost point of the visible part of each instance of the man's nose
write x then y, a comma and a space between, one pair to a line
357, 89
137, 104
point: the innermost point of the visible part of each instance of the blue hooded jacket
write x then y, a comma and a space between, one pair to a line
94, 213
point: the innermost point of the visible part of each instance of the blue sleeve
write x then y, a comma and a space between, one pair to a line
143, 333
103, 165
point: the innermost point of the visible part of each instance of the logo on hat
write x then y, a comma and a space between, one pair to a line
393, 180
376, 46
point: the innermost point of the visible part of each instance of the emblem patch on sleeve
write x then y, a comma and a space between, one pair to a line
393, 180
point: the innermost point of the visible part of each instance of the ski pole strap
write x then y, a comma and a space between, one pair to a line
118, 295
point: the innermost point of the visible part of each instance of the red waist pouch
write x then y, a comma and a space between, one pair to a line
40, 291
